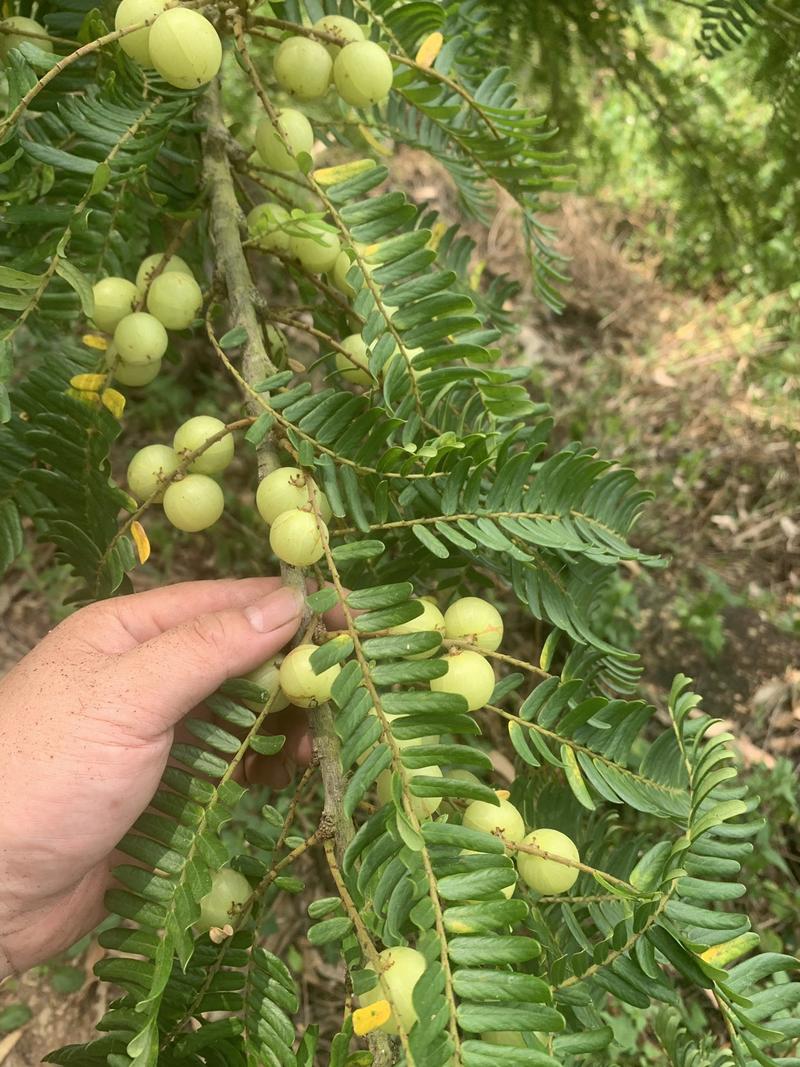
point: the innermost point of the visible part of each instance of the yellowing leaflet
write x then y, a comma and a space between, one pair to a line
114, 401
365, 1020
141, 541
88, 382
343, 171
430, 49
96, 341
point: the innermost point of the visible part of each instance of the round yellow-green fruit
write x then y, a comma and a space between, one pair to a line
547, 876
469, 675
25, 30
194, 433
136, 374
297, 538
400, 970
286, 488
338, 274
423, 807
114, 298
300, 685
148, 470
431, 739
222, 903
345, 30
430, 619
504, 820
281, 153
149, 265
129, 13
267, 676
507, 890
140, 338
175, 299
194, 503
474, 620
362, 73
512, 1038
302, 67
354, 367
316, 246
185, 48
265, 223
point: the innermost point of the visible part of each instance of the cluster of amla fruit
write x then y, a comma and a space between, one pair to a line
546, 859
173, 300
401, 967
192, 499
361, 72
315, 245
181, 44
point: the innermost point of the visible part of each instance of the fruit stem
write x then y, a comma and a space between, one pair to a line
336, 828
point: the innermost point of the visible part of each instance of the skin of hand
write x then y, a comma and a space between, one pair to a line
86, 723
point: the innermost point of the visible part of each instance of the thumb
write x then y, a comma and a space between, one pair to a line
173, 672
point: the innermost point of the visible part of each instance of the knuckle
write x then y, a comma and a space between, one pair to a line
209, 633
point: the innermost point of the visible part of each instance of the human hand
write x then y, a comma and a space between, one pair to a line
86, 723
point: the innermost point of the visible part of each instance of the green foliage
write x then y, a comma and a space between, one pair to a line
686, 114
441, 475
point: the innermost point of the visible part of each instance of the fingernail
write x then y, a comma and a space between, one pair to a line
276, 610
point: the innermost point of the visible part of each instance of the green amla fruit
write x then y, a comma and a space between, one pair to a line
148, 470
137, 44
547, 876
153, 262
303, 67
469, 675
223, 902
25, 30
503, 819
114, 298
286, 488
315, 245
140, 338
354, 366
423, 807
281, 153
194, 503
185, 48
400, 970
266, 223
475, 620
300, 684
431, 619
267, 676
363, 74
345, 30
175, 299
194, 433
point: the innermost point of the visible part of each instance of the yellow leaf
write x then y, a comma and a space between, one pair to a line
90, 382
86, 396
114, 401
340, 173
373, 141
141, 541
438, 230
430, 49
95, 340
728, 951
365, 1020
